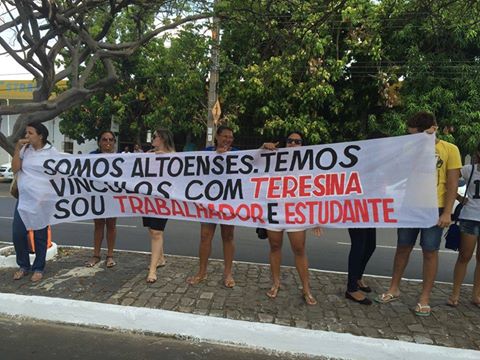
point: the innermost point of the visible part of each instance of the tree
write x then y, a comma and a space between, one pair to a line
81, 35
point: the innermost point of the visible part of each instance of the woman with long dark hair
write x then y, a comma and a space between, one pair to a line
34, 144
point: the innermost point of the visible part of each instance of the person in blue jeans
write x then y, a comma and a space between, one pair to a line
32, 145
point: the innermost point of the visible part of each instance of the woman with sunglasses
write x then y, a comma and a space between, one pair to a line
106, 145
162, 143
296, 236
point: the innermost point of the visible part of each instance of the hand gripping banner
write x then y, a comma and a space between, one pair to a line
388, 182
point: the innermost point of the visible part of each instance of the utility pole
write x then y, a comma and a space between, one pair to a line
214, 109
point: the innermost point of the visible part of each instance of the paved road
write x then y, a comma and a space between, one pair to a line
327, 253
29, 339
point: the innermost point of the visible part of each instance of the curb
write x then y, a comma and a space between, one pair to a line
254, 335
11, 260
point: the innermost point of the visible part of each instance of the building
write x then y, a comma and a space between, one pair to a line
17, 91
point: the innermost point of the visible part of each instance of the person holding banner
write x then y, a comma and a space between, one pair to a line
469, 233
106, 145
35, 144
223, 143
296, 236
448, 166
162, 142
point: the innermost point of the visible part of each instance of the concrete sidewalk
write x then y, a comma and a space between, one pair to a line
66, 277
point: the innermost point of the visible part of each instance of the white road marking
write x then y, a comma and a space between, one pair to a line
394, 247
77, 222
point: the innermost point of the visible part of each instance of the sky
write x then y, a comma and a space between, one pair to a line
10, 70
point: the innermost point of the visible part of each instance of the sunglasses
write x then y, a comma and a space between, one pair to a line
108, 139
294, 141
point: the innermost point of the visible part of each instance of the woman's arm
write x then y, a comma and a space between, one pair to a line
16, 161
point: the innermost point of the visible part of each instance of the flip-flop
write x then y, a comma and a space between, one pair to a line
37, 276
422, 310
385, 298
309, 299
93, 261
477, 304
20, 273
194, 280
109, 262
273, 292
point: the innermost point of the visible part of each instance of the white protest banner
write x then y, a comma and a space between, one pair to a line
388, 182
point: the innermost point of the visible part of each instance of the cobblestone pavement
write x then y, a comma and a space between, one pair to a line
67, 277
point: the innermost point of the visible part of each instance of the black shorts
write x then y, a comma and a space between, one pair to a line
154, 223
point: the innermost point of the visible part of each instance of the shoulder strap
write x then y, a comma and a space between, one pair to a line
468, 181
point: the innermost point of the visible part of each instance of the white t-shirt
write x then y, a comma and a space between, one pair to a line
471, 210
28, 152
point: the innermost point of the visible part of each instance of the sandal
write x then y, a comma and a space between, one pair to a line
309, 299
385, 298
37, 276
109, 262
272, 293
228, 282
422, 310
477, 304
93, 261
197, 279
20, 273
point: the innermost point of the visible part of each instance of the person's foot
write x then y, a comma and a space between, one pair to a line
273, 292
19, 274
161, 262
387, 297
452, 301
309, 299
362, 286
109, 262
151, 277
358, 297
93, 261
423, 310
37, 276
228, 281
197, 279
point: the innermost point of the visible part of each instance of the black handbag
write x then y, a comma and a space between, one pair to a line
452, 237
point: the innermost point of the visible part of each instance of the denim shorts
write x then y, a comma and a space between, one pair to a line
430, 238
470, 227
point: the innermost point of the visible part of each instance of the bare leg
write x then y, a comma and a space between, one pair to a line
402, 255
111, 236
156, 237
297, 243
228, 254
476, 278
99, 226
467, 246
207, 231
275, 239
430, 266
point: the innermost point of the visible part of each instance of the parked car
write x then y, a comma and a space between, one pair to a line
6, 173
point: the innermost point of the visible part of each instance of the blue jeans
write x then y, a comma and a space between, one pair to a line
20, 241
